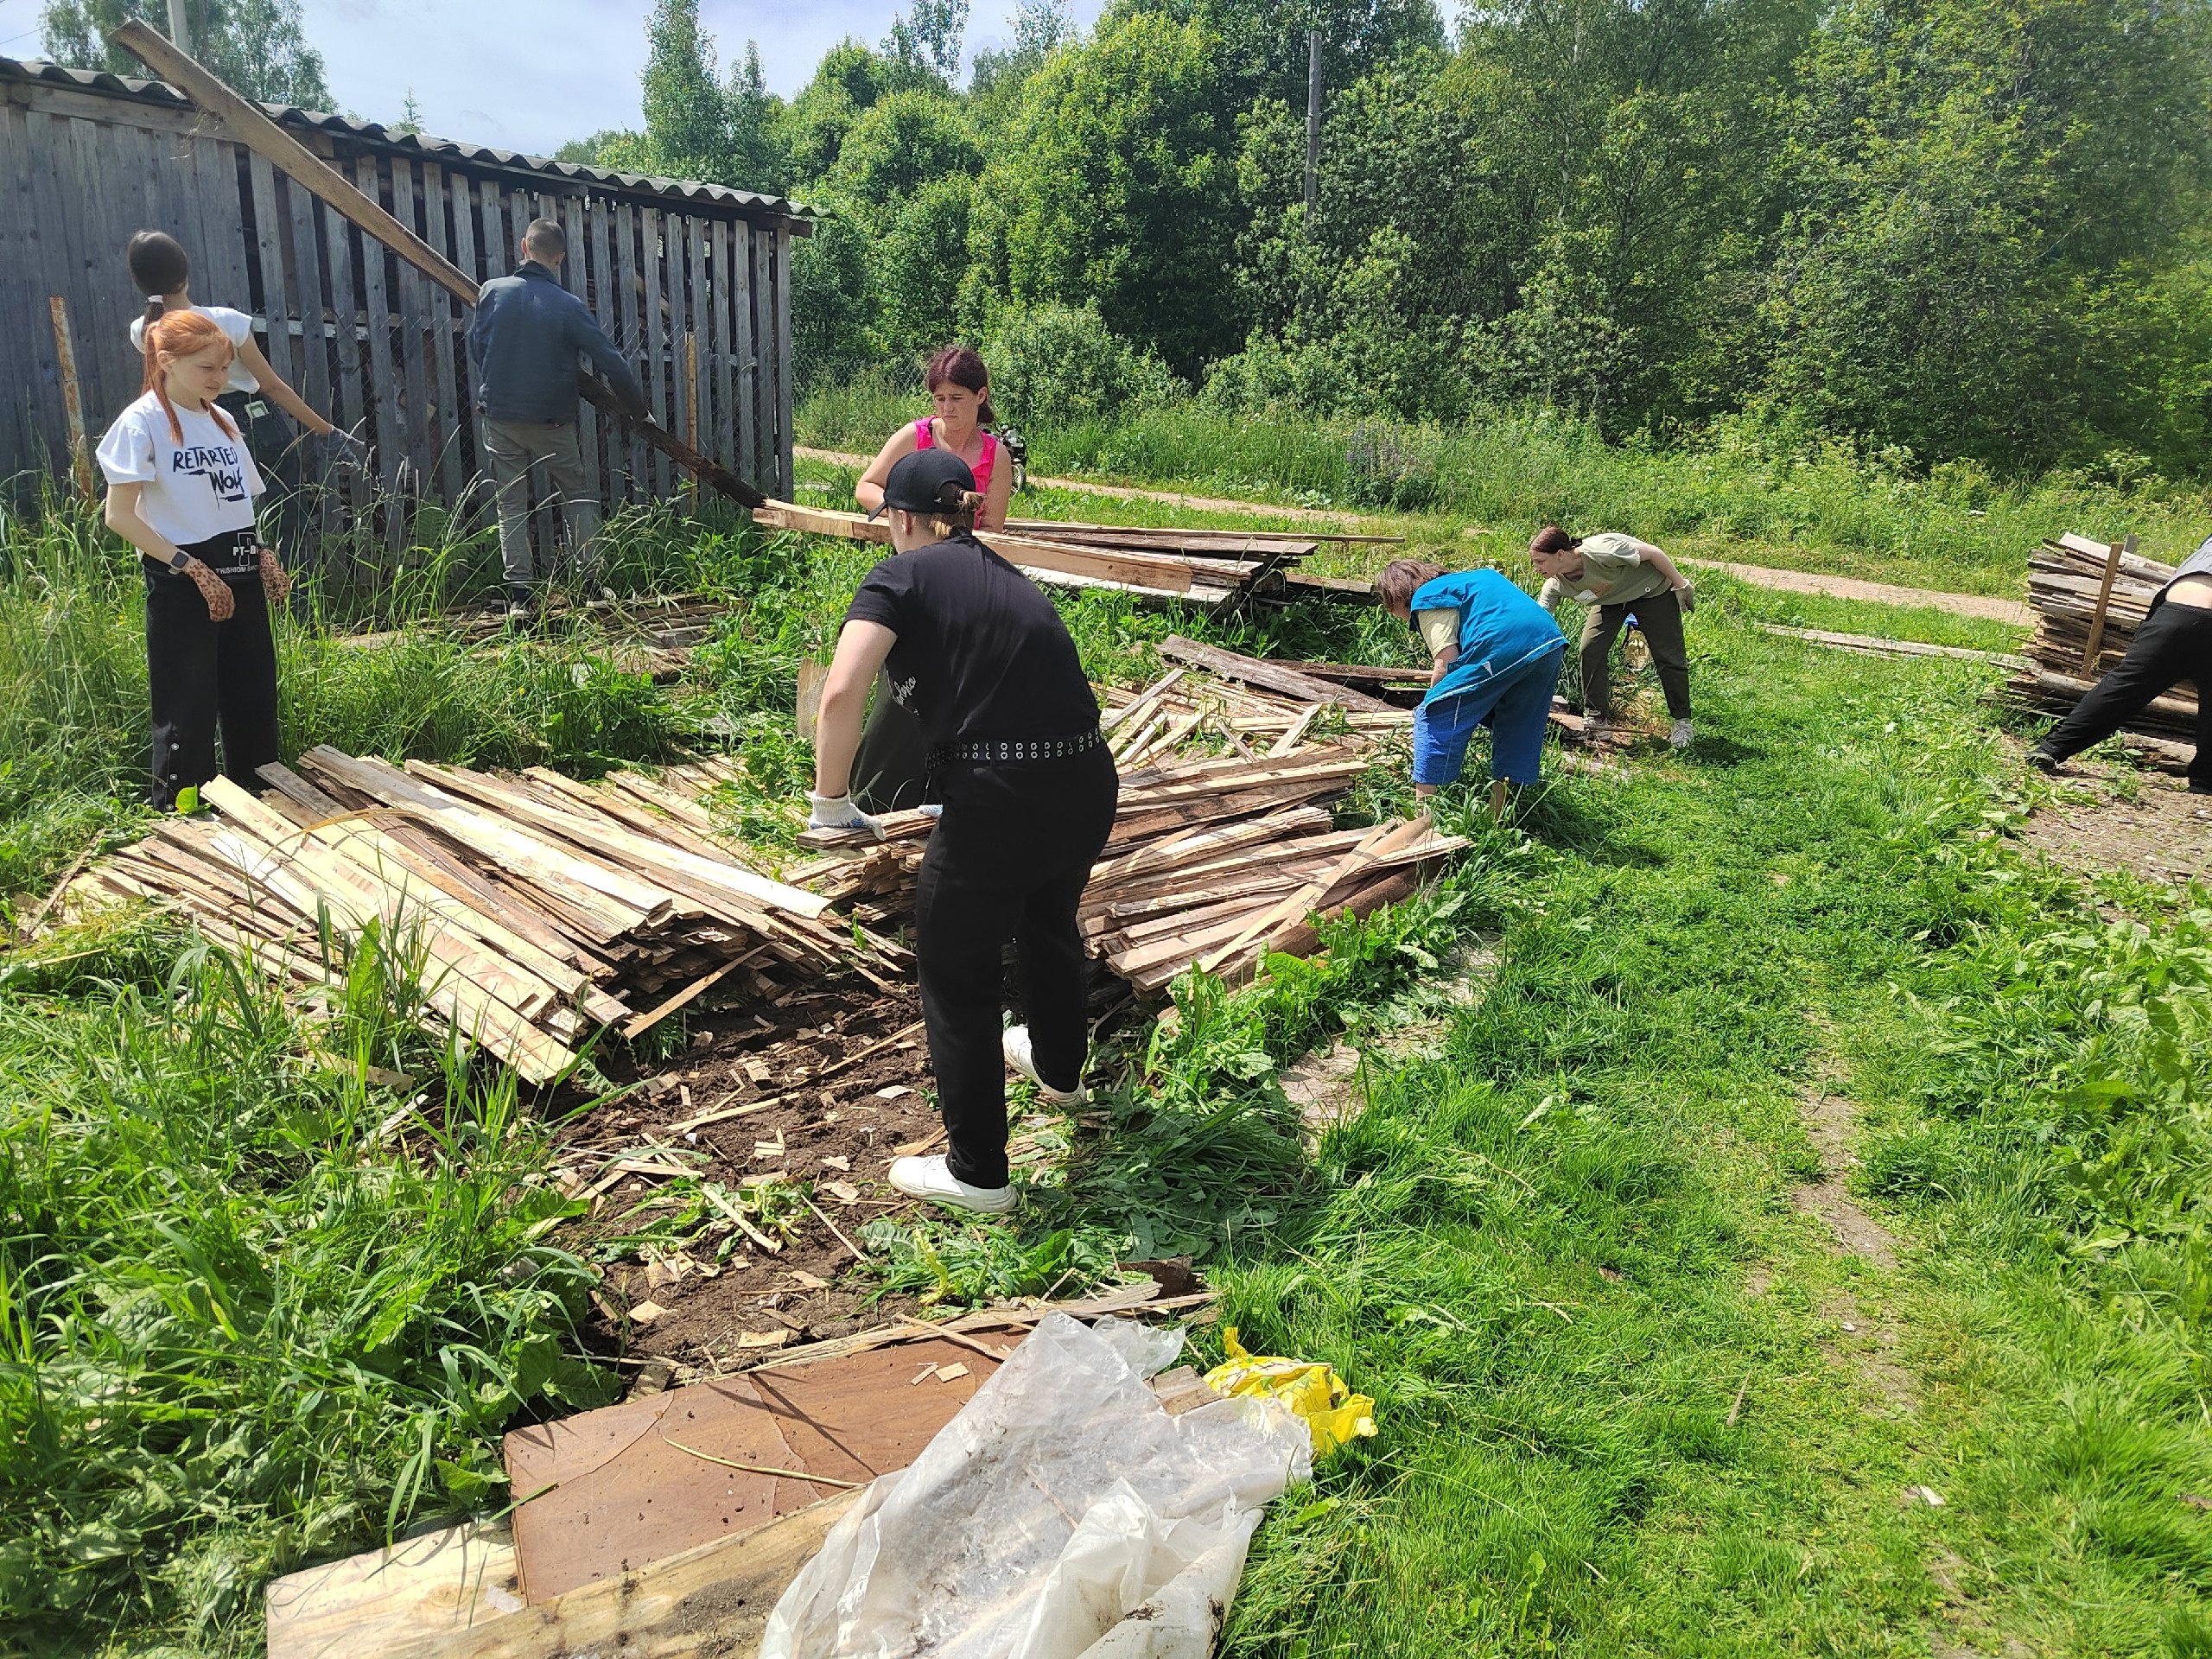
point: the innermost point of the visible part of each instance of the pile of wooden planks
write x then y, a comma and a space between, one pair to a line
2088, 599
1203, 567
540, 909
1215, 857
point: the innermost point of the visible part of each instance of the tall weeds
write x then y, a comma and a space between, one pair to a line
250, 1313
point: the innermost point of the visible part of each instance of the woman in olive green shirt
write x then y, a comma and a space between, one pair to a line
1613, 576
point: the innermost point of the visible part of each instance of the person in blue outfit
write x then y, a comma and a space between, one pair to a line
1495, 657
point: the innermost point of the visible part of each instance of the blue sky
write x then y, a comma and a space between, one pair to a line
530, 74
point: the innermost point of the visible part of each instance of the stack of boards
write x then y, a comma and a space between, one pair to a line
2065, 577
1215, 861
1202, 566
539, 909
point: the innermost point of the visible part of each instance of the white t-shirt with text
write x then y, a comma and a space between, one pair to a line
236, 326
198, 487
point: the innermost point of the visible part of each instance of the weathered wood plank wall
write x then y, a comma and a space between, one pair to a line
697, 298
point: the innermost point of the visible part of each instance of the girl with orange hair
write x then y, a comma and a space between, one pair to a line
181, 489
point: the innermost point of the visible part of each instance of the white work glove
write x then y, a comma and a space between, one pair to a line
1686, 596
1548, 595
838, 812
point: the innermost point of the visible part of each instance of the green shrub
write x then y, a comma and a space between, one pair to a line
1058, 364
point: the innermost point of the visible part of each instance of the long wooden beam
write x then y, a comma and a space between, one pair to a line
246, 122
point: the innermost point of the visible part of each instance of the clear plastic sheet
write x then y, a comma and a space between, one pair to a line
1062, 1514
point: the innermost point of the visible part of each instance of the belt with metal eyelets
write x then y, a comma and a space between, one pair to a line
992, 752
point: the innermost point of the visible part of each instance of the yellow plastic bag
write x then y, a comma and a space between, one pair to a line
1332, 1412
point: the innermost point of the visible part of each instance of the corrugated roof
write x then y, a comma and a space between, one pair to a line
160, 92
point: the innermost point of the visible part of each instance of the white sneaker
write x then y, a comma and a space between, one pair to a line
1680, 737
1016, 1046
1597, 727
930, 1178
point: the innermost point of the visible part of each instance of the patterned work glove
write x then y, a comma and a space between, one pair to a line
222, 604
276, 580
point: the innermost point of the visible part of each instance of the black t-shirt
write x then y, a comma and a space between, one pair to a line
981, 651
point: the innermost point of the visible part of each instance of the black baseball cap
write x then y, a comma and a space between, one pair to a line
929, 480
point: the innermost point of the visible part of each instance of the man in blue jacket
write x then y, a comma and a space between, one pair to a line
525, 341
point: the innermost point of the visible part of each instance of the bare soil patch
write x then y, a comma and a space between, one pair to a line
2107, 818
1828, 1119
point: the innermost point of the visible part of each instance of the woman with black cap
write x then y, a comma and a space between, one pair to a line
977, 653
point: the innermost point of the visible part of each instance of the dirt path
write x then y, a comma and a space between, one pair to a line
1881, 593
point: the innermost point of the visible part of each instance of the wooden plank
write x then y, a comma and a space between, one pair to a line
442, 316
461, 191
388, 1600
631, 333
576, 274
744, 338
269, 264
720, 362
310, 290
221, 268
2120, 549
73, 403
415, 351
606, 303
653, 323
715, 1598
340, 249
245, 123
19, 382
782, 294
1278, 677
381, 382
700, 359
70, 180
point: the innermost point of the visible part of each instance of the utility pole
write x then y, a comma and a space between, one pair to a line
180, 27
1312, 119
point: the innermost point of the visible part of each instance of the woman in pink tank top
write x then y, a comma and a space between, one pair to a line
960, 387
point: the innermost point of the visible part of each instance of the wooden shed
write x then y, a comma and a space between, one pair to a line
692, 281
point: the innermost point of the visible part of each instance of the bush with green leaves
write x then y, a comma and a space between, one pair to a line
1057, 366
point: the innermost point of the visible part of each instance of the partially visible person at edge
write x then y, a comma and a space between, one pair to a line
181, 488
524, 339
2174, 644
1617, 576
162, 271
1494, 659
980, 656
891, 769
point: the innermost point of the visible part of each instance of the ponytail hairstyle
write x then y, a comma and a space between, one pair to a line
1551, 539
962, 365
1401, 578
159, 266
957, 516
182, 334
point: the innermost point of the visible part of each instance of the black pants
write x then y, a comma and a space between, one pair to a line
891, 768
1008, 860
200, 674
2174, 644
1659, 616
